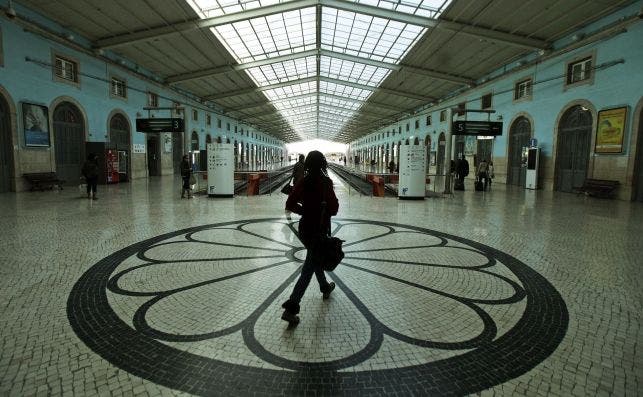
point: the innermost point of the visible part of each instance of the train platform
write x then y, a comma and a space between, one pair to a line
505, 292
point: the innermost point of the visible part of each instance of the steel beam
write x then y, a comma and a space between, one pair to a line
489, 34
371, 88
260, 89
148, 34
197, 74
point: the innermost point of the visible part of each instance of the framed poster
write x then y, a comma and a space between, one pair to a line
35, 121
610, 129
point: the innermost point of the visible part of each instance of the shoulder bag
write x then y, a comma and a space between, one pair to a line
287, 187
330, 247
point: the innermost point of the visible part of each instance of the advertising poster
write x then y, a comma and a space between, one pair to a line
610, 129
220, 169
36, 124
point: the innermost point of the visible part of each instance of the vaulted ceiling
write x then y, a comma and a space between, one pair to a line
329, 69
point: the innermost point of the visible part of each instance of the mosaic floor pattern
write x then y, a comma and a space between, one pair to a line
507, 292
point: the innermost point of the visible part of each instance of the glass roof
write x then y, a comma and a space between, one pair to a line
320, 106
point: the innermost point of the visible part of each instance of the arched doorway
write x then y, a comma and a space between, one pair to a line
459, 146
638, 163
442, 143
572, 148
519, 135
154, 155
177, 151
427, 147
119, 139
6, 146
194, 142
69, 140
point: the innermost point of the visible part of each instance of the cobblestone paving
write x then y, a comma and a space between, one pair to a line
429, 292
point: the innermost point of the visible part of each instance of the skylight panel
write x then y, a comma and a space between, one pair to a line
325, 99
352, 71
284, 71
425, 8
366, 36
269, 36
343, 90
291, 90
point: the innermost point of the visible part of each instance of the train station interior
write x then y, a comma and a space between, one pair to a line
487, 157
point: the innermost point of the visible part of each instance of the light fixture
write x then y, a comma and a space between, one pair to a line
578, 36
69, 36
499, 118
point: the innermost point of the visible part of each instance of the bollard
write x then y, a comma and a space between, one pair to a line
378, 186
253, 184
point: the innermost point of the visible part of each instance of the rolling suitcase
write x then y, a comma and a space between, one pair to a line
479, 186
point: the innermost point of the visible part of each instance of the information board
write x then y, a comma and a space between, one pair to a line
220, 169
412, 184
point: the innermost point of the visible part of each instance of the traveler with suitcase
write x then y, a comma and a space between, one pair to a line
482, 175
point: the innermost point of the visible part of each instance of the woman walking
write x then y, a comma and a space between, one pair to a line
314, 199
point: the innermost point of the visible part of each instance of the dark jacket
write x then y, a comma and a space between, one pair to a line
186, 169
298, 172
306, 200
90, 169
462, 168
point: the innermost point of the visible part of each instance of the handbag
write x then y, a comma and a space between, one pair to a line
330, 248
287, 187
192, 179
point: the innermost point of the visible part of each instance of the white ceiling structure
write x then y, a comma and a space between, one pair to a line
327, 69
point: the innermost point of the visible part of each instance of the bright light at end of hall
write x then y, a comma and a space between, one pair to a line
316, 144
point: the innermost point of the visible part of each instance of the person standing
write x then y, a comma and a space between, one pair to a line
90, 172
186, 172
490, 173
298, 170
462, 170
314, 199
391, 167
482, 173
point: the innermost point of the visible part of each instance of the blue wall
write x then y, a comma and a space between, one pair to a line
614, 86
31, 82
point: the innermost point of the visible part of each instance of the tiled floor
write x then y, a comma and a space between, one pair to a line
507, 292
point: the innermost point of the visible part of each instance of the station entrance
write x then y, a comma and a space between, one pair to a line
572, 148
69, 140
119, 139
6, 147
153, 155
638, 165
519, 135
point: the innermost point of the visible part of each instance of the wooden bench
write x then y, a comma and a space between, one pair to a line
42, 180
598, 187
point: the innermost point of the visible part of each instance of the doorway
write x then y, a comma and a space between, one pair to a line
638, 165
6, 147
519, 135
119, 139
442, 142
484, 148
177, 151
153, 155
572, 148
69, 139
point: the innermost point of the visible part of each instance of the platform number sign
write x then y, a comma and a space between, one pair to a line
484, 128
160, 125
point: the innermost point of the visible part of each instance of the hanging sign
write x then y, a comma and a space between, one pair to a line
160, 125
465, 127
